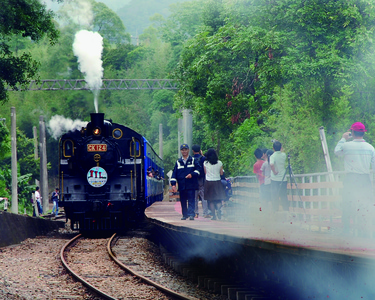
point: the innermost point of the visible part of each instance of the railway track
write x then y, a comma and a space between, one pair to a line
110, 278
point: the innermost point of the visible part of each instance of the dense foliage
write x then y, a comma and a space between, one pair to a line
26, 18
136, 14
250, 71
280, 69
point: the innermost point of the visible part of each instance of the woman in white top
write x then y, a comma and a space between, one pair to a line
213, 188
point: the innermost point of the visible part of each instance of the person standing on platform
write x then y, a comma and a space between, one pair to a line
266, 171
185, 174
278, 178
357, 197
258, 153
38, 200
55, 199
213, 188
200, 192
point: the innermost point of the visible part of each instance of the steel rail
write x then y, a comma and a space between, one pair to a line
143, 278
79, 278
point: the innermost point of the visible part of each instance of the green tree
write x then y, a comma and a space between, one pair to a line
136, 14
29, 19
288, 66
181, 25
25, 153
109, 24
5, 146
96, 17
118, 58
27, 166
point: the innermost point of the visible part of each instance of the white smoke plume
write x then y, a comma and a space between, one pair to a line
58, 125
79, 11
88, 47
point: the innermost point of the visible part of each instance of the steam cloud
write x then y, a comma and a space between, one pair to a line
58, 125
88, 47
79, 11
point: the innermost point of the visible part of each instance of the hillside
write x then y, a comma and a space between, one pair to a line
136, 14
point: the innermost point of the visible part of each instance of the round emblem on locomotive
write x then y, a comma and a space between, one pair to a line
97, 177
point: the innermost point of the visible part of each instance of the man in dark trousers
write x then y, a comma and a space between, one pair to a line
55, 199
278, 178
197, 154
185, 174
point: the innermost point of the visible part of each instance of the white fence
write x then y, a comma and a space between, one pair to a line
315, 201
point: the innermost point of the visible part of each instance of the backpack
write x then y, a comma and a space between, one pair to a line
54, 196
201, 160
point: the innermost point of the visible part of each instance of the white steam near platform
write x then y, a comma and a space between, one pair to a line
58, 125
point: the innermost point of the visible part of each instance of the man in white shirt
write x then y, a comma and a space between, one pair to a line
357, 193
278, 178
38, 200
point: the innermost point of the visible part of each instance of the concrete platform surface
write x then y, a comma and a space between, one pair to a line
269, 232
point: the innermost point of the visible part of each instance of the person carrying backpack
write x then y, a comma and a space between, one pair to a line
55, 199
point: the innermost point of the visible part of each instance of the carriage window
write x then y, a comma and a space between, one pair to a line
137, 148
68, 148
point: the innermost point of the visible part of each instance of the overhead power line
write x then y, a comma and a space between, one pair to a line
108, 84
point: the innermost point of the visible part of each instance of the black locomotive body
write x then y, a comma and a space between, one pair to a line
103, 176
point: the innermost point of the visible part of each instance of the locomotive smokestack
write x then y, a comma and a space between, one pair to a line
97, 127
97, 120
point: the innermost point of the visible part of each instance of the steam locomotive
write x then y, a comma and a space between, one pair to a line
104, 177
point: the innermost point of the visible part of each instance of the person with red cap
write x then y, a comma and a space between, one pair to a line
357, 194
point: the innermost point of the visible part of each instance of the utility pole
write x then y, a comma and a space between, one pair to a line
326, 153
35, 135
43, 165
188, 127
14, 161
179, 130
161, 141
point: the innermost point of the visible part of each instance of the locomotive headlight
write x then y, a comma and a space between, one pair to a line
96, 131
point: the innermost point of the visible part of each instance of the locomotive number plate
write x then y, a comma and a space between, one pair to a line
96, 147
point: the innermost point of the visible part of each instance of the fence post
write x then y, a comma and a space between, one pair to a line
326, 153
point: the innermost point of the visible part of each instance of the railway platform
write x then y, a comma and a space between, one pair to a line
273, 235
275, 250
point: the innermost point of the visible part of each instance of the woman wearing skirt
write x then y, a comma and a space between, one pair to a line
213, 188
